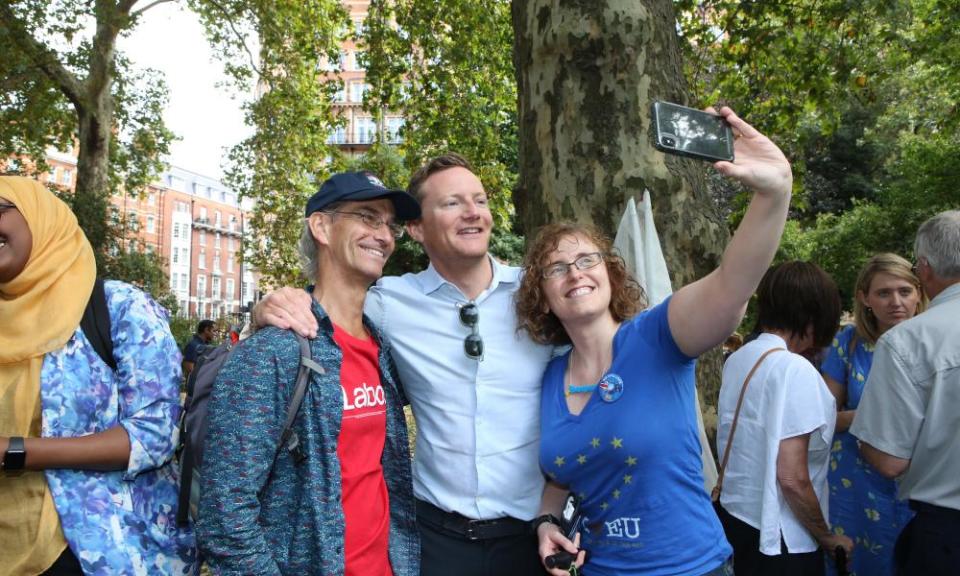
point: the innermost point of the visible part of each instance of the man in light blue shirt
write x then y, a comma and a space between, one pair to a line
472, 379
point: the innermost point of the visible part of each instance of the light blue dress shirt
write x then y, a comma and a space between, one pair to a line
478, 422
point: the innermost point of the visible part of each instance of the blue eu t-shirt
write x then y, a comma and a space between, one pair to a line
635, 461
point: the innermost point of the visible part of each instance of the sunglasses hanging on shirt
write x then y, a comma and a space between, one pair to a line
473, 343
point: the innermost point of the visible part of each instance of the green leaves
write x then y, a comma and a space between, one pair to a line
278, 47
448, 65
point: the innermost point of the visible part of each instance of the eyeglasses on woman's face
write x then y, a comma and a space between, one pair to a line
372, 221
560, 269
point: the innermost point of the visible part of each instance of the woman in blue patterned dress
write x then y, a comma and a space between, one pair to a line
88, 484
863, 503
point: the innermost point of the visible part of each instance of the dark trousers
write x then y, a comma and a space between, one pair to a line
930, 543
748, 561
66, 565
444, 552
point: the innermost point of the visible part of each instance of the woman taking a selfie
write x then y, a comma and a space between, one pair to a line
617, 427
88, 482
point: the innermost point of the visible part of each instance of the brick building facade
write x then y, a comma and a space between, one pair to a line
195, 223
360, 130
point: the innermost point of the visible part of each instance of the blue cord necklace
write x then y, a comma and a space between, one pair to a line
580, 388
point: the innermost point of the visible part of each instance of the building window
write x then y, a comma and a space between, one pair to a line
358, 60
216, 262
357, 90
230, 263
366, 130
151, 199
202, 262
203, 212
338, 136
184, 255
215, 288
176, 230
202, 238
216, 240
218, 219
230, 290
394, 125
151, 224
340, 94
66, 176
184, 278
201, 286
230, 245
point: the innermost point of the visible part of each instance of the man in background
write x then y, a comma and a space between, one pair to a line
200, 341
908, 421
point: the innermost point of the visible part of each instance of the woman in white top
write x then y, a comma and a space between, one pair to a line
773, 499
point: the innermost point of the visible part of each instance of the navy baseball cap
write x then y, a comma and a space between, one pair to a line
358, 186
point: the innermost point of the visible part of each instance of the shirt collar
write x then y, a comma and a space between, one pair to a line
951, 292
431, 280
326, 324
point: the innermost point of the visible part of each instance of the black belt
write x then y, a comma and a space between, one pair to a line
937, 512
472, 529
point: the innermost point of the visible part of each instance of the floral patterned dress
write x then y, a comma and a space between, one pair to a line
863, 504
124, 521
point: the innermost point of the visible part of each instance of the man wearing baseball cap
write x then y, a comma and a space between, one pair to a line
346, 506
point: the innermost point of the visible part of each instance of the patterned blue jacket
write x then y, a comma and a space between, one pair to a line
265, 517
120, 522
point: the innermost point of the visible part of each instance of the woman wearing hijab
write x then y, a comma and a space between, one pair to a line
88, 483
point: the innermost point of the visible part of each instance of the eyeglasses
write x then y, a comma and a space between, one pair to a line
473, 343
4, 206
559, 269
372, 221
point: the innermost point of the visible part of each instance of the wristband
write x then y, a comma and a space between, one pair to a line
544, 519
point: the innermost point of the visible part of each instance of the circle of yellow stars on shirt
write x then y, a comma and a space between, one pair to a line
617, 444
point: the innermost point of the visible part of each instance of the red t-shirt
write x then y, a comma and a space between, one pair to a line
360, 448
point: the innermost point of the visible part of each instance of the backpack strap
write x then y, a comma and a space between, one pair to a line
288, 437
95, 324
715, 495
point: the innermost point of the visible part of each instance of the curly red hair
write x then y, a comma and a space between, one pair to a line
534, 315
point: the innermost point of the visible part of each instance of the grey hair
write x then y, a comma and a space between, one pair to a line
308, 253
938, 242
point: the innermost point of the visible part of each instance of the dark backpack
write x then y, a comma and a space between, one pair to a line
193, 426
95, 324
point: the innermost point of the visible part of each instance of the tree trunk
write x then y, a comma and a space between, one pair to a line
92, 196
587, 74
95, 127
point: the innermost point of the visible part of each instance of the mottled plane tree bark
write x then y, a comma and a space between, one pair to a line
587, 73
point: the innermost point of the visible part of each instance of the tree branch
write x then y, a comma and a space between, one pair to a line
43, 57
139, 11
240, 37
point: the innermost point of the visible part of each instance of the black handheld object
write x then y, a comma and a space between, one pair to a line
693, 133
561, 560
570, 523
840, 559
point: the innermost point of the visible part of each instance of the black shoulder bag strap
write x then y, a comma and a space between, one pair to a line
96, 324
288, 437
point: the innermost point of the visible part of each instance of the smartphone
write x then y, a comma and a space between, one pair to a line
693, 133
570, 523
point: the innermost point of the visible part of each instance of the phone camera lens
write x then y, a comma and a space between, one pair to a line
667, 141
